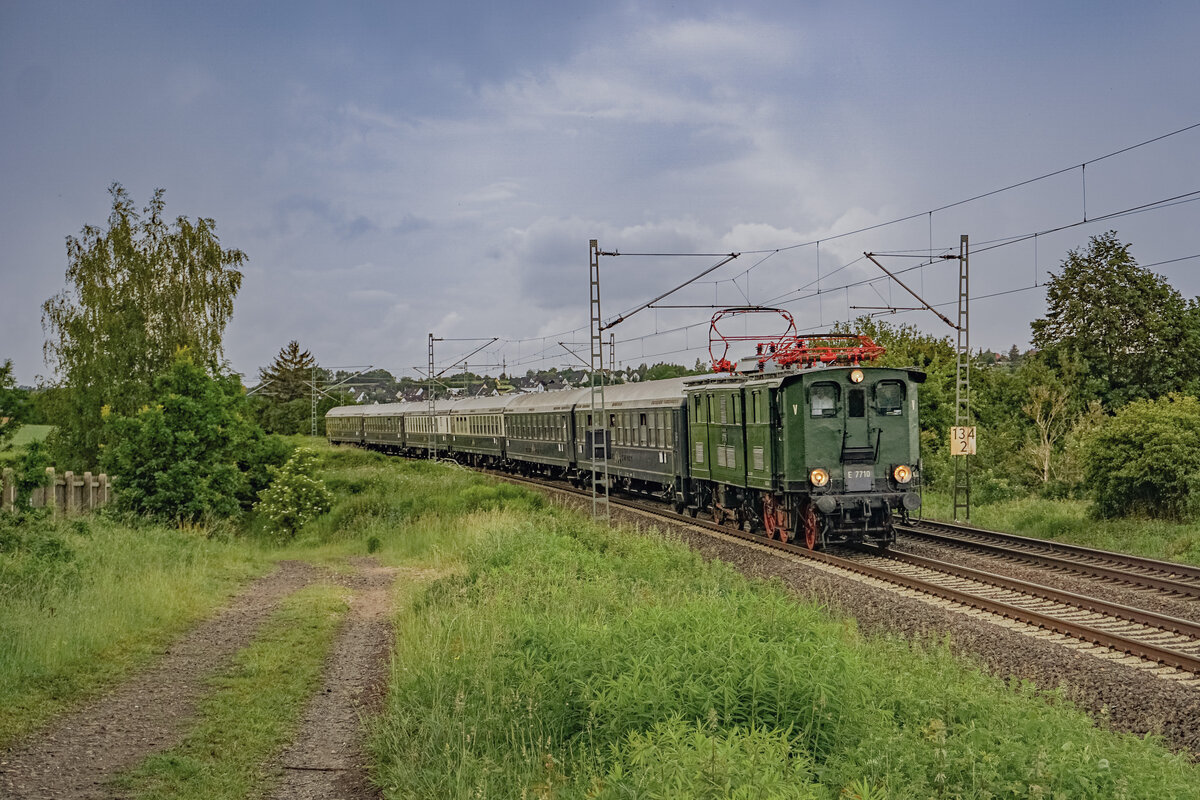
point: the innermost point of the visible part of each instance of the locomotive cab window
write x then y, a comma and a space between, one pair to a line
889, 398
823, 399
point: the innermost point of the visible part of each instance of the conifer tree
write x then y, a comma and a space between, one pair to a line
289, 376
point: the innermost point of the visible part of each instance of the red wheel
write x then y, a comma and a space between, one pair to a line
809, 520
775, 519
769, 522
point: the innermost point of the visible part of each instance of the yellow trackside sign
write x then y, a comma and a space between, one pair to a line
962, 441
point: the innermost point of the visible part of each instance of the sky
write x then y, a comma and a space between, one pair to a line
393, 170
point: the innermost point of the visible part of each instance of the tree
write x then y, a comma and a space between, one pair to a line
1146, 459
290, 375
13, 404
1047, 407
191, 453
137, 293
1125, 326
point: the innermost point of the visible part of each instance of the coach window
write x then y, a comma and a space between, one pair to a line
823, 399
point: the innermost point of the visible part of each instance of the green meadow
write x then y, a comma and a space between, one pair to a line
542, 655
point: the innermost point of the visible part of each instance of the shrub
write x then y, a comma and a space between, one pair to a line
30, 474
191, 454
1146, 459
295, 496
35, 559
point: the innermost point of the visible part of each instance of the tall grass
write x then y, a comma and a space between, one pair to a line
570, 661
1071, 521
84, 601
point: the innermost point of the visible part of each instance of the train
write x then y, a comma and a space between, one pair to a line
805, 441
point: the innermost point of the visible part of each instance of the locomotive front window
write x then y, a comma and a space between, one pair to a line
824, 399
858, 403
889, 398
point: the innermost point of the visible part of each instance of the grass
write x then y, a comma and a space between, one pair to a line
24, 435
548, 657
253, 711
83, 602
1070, 521
565, 660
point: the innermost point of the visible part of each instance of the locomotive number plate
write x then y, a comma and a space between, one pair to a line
860, 479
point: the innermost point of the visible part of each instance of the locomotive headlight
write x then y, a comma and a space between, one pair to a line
819, 477
902, 473
856, 376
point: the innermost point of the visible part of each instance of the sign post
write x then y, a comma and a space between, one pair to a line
962, 440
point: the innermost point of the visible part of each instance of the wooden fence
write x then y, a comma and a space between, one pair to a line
66, 493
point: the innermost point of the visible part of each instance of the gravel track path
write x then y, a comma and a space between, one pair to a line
327, 759
80, 752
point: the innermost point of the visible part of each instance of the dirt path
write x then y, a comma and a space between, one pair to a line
327, 760
82, 750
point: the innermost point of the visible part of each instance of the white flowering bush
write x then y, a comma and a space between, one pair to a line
294, 496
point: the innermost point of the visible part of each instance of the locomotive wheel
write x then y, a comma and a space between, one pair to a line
811, 529
775, 519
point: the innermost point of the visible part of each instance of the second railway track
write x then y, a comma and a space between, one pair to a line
1181, 580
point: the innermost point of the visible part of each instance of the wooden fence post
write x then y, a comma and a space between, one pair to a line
89, 493
69, 504
8, 494
50, 492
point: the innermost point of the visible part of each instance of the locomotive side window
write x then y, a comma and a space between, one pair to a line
823, 400
858, 403
889, 398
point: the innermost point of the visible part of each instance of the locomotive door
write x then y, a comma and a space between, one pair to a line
858, 445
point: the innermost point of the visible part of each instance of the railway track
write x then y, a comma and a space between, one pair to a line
1179, 580
1167, 644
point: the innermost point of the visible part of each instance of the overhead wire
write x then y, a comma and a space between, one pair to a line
985, 246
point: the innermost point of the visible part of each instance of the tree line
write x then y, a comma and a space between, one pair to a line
1103, 405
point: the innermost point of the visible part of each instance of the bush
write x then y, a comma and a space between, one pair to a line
35, 558
30, 474
190, 455
1146, 460
294, 497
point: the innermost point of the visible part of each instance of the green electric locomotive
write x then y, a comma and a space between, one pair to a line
805, 442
